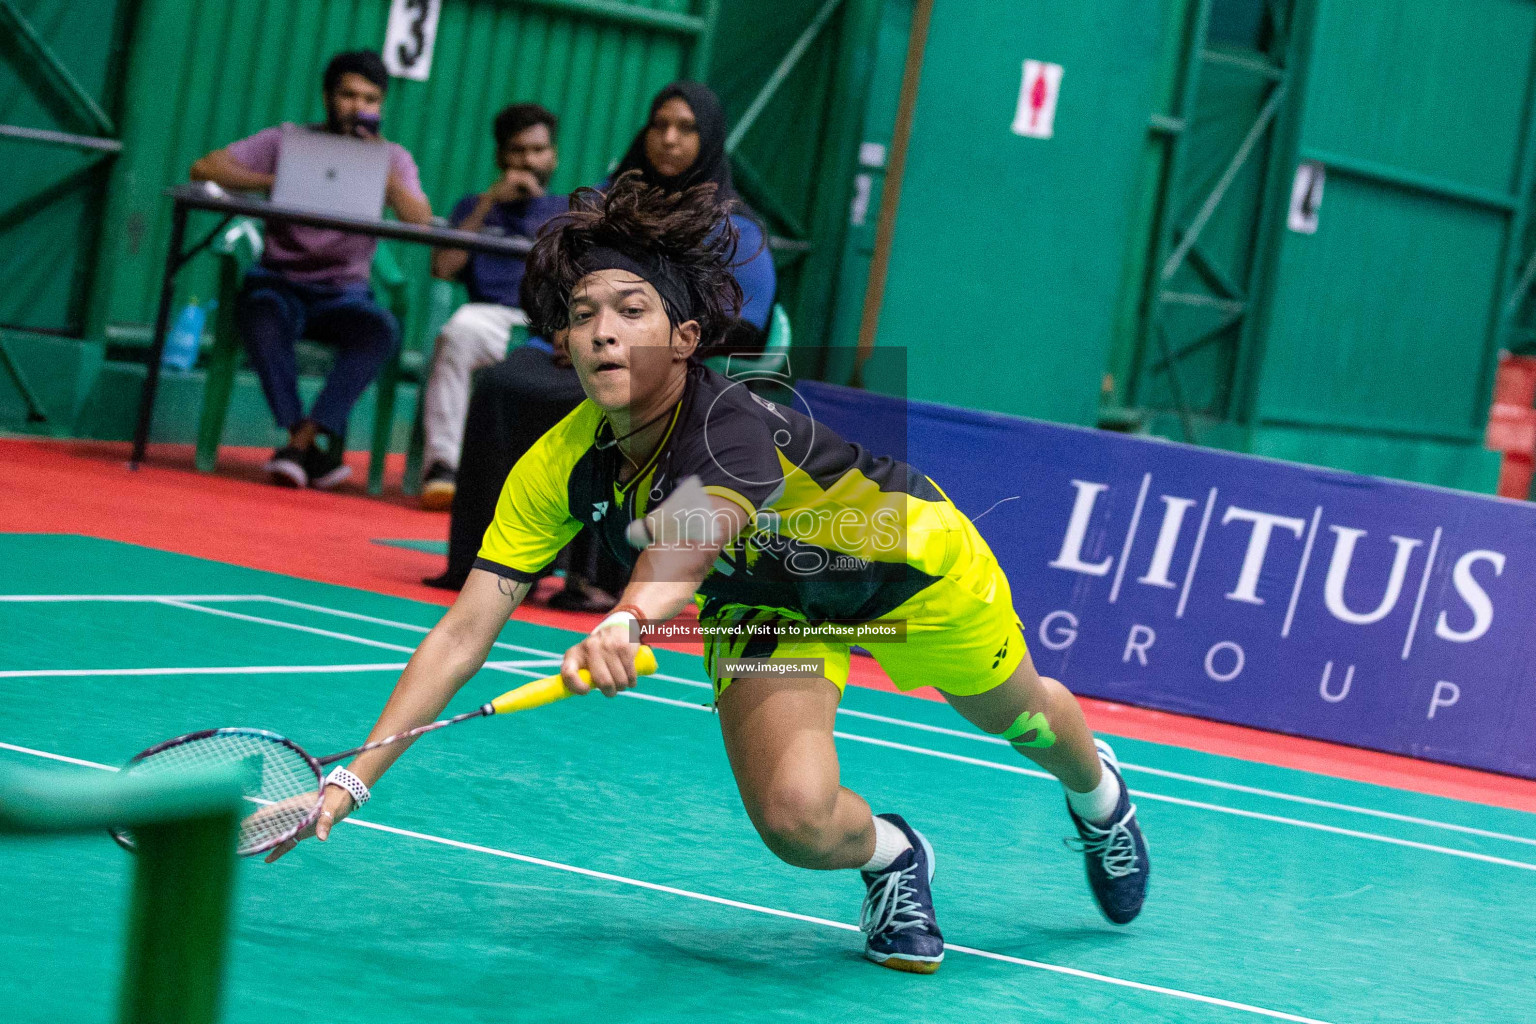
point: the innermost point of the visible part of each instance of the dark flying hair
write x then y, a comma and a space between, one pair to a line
684, 241
357, 62
520, 117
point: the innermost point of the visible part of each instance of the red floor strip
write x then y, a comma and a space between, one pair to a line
86, 487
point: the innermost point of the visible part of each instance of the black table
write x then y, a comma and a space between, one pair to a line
203, 196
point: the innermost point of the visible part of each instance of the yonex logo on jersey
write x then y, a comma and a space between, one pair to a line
599, 509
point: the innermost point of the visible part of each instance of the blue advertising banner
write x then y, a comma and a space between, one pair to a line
1306, 601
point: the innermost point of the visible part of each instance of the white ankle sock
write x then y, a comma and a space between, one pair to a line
890, 843
1098, 803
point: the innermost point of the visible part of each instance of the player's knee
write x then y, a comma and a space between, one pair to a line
796, 820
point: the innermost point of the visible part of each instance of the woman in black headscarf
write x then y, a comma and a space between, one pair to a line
516, 401
682, 145
683, 142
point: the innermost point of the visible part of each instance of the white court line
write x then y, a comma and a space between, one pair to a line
1215, 783
57, 757
233, 670
290, 625
1013, 769
398, 625
758, 908
1182, 802
125, 598
1218, 808
244, 670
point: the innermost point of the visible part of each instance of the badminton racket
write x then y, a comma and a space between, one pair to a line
288, 783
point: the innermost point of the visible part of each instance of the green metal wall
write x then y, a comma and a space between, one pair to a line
205, 72
1370, 344
58, 75
1006, 258
794, 87
1384, 321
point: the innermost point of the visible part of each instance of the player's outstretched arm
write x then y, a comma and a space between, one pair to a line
667, 575
451, 653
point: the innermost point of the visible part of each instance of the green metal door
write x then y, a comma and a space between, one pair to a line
1005, 260
1384, 321
57, 83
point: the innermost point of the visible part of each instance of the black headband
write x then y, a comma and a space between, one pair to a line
649, 267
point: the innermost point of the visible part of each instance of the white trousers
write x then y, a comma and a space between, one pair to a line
475, 336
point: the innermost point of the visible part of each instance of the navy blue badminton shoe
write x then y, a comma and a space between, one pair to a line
1115, 852
899, 926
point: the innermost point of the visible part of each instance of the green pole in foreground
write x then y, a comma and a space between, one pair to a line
179, 920
184, 828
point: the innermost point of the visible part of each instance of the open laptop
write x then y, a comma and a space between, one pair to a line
322, 172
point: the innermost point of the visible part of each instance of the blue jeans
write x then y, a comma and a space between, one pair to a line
273, 313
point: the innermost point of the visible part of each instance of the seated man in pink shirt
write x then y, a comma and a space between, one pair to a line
313, 282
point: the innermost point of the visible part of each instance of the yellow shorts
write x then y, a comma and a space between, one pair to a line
962, 634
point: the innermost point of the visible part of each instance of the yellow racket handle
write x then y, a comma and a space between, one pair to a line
546, 691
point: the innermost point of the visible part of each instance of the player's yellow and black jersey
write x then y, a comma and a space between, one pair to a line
835, 533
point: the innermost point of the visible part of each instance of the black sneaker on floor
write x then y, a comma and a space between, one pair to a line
286, 467
438, 487
900, 929
324, 461
1115, 853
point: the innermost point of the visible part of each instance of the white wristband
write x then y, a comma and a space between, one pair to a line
351, 783
617, 618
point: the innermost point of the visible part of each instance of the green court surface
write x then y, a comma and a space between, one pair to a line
590, 861
431, 547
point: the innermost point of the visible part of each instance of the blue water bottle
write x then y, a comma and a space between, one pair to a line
186, 337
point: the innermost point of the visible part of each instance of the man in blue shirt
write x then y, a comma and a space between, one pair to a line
517, 203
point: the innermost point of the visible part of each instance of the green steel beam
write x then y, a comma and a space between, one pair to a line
1293, 48
1412, 181
1204, 338
1242, 60
858, 27
762, 198
46, 137
1334, 422
36, 413
1214, 275
1224, 184
624, 14
1183, 113
703, 52
780, 73
1227, 306
43, 57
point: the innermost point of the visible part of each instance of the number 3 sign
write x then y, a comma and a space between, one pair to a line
408, 41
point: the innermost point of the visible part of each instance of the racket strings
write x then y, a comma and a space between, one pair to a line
283, 783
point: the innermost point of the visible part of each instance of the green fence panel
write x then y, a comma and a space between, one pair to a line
1006, 259
57, 87
203, 73
1385, 320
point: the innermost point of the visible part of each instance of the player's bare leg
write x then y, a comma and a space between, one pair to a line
778, 736
1043, 721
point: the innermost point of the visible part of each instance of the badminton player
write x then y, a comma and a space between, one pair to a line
772, 525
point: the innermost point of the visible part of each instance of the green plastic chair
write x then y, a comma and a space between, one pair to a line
237, 249
772, 360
